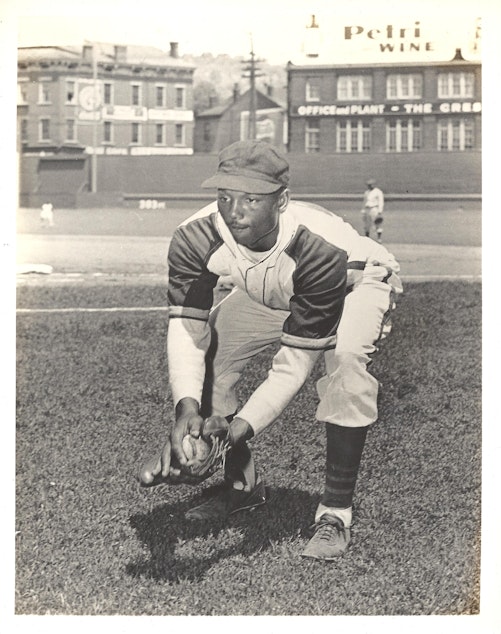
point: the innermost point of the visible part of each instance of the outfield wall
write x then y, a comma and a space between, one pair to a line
121, 178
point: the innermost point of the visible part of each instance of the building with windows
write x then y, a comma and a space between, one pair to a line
404, 95
104, 99
396, 107
221, 125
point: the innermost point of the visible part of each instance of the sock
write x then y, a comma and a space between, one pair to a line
344, 454
342, 514
240, 469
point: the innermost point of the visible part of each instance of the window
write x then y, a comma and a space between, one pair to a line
107, 94
207, 130
108, 132
43, 93
70, 130
160, 96
405, 86
312, 136
179, 134
455, 84
353, 136
22, 93
24, 130
44, 130
135, 133
160, 134
312, 90
180, 96
136, 94
403, 135
455, 135
70, 92
354, 87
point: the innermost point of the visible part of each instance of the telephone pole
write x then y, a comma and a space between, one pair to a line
253, 72
94, 122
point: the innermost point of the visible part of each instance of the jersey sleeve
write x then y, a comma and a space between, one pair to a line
319, 284
191, 284
190, 297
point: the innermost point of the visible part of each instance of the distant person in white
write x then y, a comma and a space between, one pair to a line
372, 210
47, 215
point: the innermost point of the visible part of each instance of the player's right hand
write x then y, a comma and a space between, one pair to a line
188, 421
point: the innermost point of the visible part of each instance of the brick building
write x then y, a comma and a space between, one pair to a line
408, 96
125, 100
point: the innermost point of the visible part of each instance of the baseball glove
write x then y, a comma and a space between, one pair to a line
205, 455
378, 220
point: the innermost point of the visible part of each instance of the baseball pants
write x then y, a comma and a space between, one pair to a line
369, 216
242, 328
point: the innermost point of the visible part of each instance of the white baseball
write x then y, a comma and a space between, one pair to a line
195, 448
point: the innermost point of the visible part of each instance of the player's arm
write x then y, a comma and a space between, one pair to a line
190, 296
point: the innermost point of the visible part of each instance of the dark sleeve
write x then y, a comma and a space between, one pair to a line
191, 284
319, 283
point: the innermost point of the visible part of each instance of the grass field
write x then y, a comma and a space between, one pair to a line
91, 405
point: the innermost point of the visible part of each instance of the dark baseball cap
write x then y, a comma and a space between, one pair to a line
254, 167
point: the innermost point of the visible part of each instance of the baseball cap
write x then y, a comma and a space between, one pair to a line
254, 167
371, 181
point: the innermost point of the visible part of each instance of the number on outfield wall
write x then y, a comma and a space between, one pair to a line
151, 203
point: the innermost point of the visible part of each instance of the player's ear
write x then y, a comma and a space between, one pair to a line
283, 200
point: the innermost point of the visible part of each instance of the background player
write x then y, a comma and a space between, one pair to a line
373, 209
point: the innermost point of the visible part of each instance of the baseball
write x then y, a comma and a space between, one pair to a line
195, 448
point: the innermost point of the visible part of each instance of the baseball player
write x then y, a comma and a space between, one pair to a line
373, 209
47, 215
302, 277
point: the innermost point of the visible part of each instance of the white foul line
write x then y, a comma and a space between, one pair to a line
131, 309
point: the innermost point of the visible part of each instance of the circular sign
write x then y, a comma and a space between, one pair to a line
89, 97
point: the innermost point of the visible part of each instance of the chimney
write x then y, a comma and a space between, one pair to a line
236, 92
87, 52
458, 56
312, 39
174, 49
120, 53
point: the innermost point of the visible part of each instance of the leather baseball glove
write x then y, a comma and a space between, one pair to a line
206, 455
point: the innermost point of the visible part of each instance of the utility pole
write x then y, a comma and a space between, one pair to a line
94, 121
253, 73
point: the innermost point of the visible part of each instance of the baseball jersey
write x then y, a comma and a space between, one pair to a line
374, 199
315, 261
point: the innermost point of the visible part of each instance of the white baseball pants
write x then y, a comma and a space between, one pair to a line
348, 392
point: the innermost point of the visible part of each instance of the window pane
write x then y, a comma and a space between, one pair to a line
416, 135
159, 133
468, 135
135, 133
107, 94
342, 88
160, 96
180, 97
179, 134
107, 131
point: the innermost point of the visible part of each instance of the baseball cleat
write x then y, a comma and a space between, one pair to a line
227, 502
330, 540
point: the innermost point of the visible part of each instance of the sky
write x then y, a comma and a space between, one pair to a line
222, 26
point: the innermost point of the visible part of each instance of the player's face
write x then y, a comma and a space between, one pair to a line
253, 219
